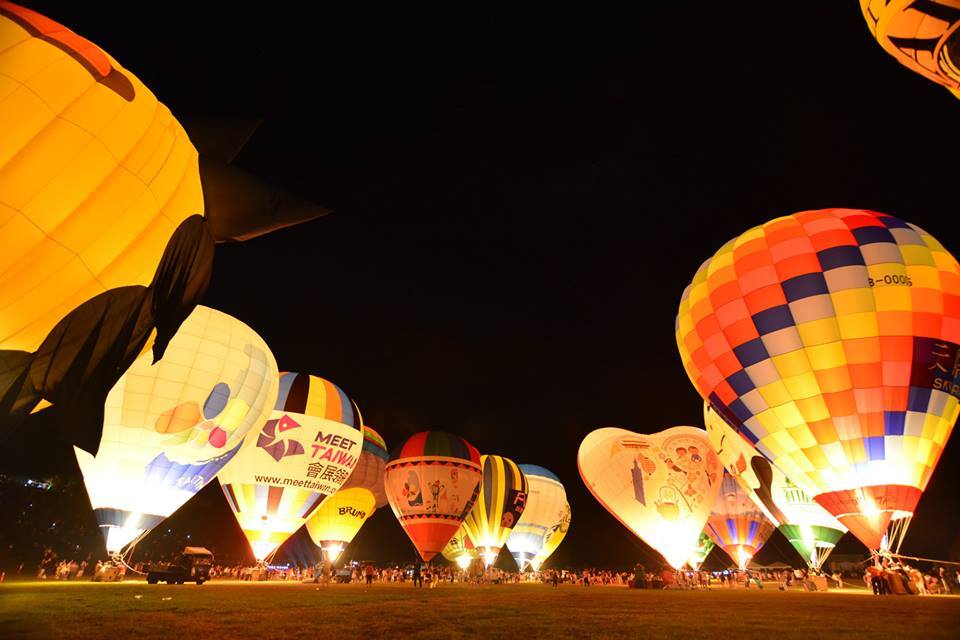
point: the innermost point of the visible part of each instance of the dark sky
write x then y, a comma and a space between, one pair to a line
521, 196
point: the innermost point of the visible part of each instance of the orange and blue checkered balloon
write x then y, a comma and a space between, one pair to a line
830, 340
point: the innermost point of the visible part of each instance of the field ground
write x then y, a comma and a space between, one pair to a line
278, 610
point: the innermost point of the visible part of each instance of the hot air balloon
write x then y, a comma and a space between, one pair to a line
661, 487
829, 339
811, 530
299, 550
502, 499
737, 525
546, 505
432, 481
922, 36
335, 523
368, 474
554, 536
704, 547
303, 454
460, 549
170, 426
106, 232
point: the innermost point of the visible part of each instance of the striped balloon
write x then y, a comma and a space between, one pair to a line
287, 468
829, 339
368, 474
499, 507
737, 525
432, 481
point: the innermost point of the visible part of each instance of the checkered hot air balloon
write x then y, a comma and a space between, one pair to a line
432, 482
829, 340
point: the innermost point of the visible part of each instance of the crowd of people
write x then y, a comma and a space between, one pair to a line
892, 576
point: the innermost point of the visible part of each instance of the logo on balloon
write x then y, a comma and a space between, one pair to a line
270, 441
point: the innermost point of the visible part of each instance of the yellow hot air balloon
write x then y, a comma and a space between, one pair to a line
546, 505
502, 499
460, 549
335, 522
95, 176
922, 36
170, 426
811, 530
553, 538
285, 470
830, 340
662, 487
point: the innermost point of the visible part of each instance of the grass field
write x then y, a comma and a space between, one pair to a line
274, 610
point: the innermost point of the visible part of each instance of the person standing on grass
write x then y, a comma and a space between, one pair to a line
555, 578
368, 572
417, 575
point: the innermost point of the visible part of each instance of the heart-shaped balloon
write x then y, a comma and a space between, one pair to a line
660, 486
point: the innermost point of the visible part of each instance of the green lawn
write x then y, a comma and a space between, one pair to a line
267, 611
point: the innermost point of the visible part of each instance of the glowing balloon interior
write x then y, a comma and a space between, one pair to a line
432, 481
830, 340
737, 525
545, 508
285, 470
170, 426
662, 486
500, 505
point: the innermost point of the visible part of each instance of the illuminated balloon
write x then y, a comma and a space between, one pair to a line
502, 499
546, 505
335, 522
830, 340
459, 548
811, 530
432, 481
554, 536
106, 234
303, 454
299, 550
737, 525
170, 426
704, 547
661, 486
922, 36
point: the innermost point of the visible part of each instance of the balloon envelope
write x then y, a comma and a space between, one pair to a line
170, 426
459, 546
811, 530
368, 474
662, 486
432, 481
554, 536
545, 508
737, 525
922, 36
335, 522
501, 503
830, 338
287, 468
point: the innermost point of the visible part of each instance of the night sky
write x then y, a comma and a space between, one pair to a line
520, 197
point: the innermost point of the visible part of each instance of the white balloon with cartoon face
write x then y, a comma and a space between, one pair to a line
170, 426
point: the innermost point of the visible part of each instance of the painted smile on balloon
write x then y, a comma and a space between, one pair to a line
87, 54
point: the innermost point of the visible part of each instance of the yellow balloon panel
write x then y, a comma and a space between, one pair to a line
95, 175
553, 538
170, 426
662, 486
920, 35
459, 545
